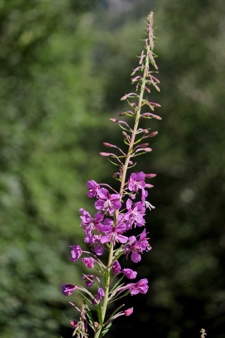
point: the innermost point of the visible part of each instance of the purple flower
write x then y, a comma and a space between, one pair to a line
116, 267
142, 243
98, 297
129, 273
89, 262
136, 181
101, 293
139, 287
131, 248
67, 289
106, 202
89, 226
85, 217
113, 233
135, 257
105, 226
99, 250
93, 187
137, 246
89, 280
135, 213
76, 252
87, 222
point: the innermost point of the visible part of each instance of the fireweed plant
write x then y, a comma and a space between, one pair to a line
118, 213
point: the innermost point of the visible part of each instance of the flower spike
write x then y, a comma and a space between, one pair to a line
118, 212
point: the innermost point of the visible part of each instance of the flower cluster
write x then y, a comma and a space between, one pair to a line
110, 231
104, 228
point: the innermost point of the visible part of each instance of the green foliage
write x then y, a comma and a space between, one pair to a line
49, 103
185, 266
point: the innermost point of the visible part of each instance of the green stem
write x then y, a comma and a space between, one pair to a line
136, 123
107, 283
123, 180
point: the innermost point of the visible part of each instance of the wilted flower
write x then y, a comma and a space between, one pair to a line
139, 287
98, 297
68, 289
89, 280
76, 252
129, 273
88, 261
116, 267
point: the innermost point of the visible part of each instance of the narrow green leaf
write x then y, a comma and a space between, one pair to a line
99, 314
105, 330
89, 315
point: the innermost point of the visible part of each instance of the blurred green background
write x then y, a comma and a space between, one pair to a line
64, 65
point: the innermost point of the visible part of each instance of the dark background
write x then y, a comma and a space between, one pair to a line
63, 67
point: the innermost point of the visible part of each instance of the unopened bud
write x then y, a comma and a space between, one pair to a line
150, 115
150, 175
129, 311
128, 95
73, 323
104, 154
113, 120
106, 144
136, 78
148, 150
154, 133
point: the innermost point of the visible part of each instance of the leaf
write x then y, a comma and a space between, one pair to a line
115, 299
105, 330
117, 283
89, 315
99, 314
84, 297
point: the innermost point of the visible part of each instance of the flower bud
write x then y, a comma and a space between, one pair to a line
128, 312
